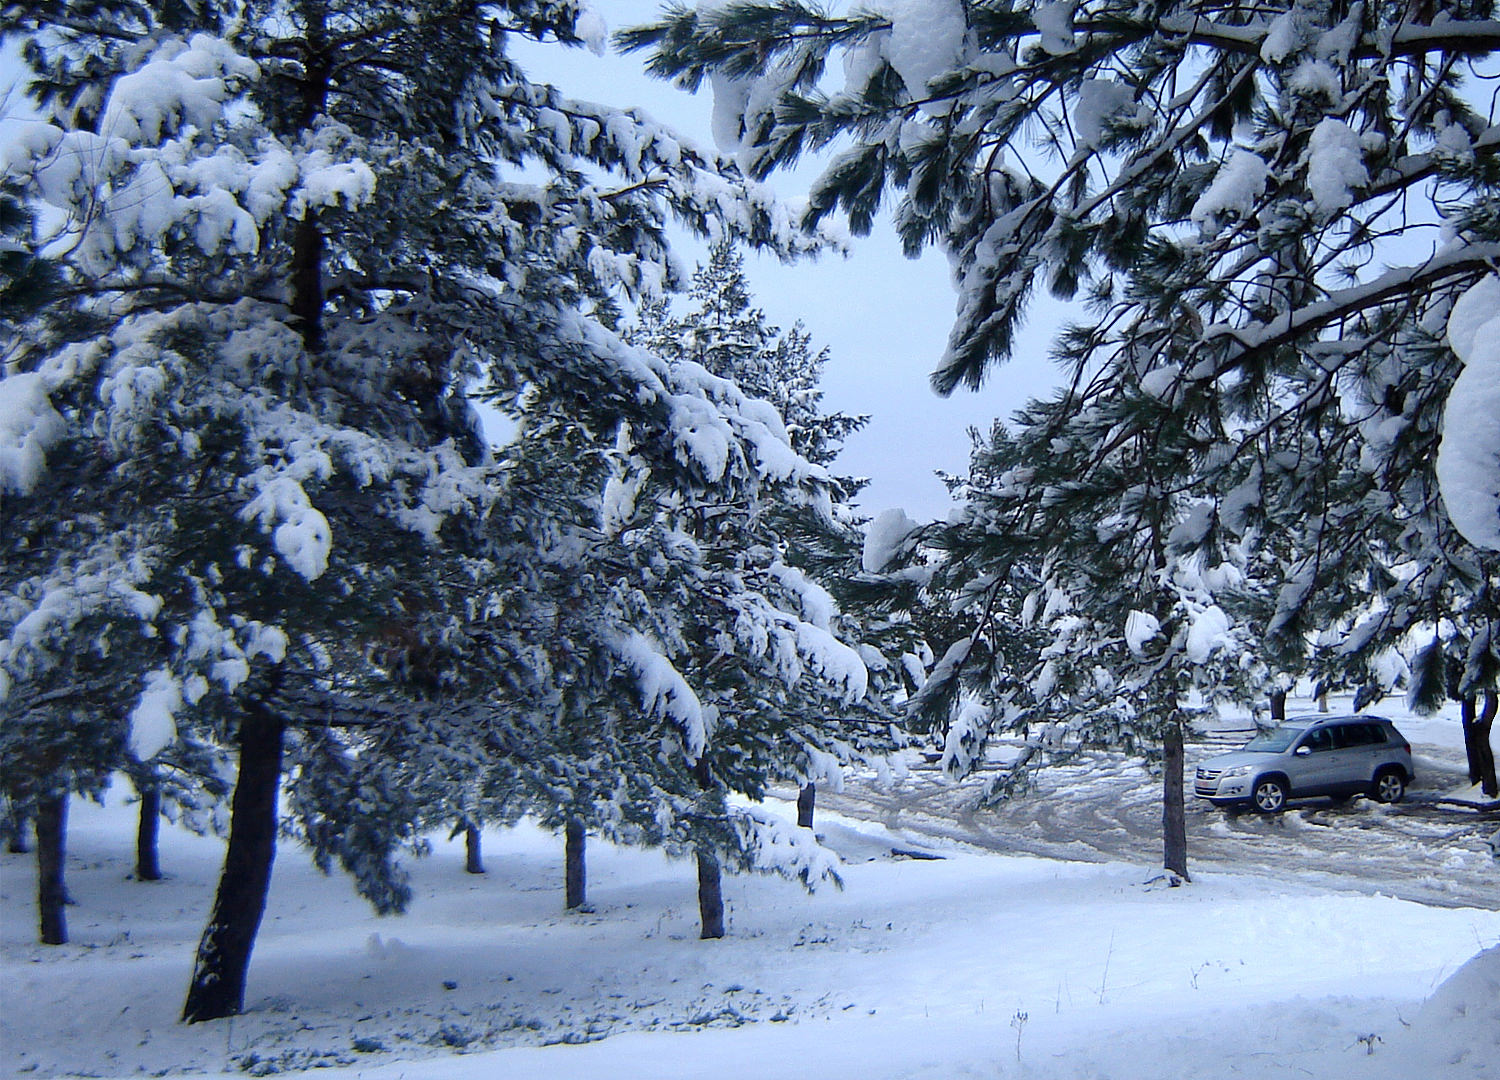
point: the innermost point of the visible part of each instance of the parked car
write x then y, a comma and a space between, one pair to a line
1316, 755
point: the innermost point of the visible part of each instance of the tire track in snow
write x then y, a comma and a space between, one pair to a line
1105, 807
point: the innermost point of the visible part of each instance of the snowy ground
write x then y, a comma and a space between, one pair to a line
1107, 807
977, 965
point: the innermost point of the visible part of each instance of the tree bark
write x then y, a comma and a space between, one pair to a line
19, 825
147, 862
1278, 705
1173, 813
575, 866
218, 986
473, 857
51, 851
807, 799
1466, 716
710, 896
1485, 749
710, 878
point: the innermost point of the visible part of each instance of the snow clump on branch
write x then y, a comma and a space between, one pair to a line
1468, 461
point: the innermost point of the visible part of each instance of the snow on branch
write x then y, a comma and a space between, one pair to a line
778, 847
1398, 282
664, 692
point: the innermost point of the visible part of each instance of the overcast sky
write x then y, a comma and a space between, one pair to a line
884, 318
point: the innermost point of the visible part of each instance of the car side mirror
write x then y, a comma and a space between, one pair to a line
1302, 751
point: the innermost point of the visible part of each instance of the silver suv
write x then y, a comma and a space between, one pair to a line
1315, 755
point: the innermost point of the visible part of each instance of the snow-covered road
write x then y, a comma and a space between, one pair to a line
1107, 808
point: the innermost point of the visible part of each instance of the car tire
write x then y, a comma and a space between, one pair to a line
1390, 786
1269, 795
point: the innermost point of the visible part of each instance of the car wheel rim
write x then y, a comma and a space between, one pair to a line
1389, 788
1268, 797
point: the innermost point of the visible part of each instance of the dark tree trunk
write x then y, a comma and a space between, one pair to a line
1483, 726
1467, 716
147, 863
1173, 813
575, 864
807, 799
710, 896
51, 844
308, 247
473, 857
19, 826
218, 986
710, 880
307, 280
1278, 705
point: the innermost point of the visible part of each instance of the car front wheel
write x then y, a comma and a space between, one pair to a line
1390, 787
1269, 795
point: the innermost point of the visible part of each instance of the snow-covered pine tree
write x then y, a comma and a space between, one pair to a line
772, 721
1254, 204
245, 490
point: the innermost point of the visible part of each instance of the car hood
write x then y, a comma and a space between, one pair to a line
1238, 757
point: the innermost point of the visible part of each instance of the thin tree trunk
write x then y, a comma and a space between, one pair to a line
218, 986
807, 799
147, 862
710, 896
1467, 715
19, 825
51, 851
1483, 726
1173, 813
575, 865
473, 856
1278, 705
710, 878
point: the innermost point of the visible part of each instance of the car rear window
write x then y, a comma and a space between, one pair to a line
1360, 735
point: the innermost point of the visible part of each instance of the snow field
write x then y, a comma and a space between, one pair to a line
916, 969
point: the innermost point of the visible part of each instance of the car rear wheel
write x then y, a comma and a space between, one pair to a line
1390, 786
1269, 795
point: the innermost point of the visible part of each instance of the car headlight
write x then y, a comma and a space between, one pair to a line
1238, 770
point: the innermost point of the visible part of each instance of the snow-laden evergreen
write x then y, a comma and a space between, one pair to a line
279, 247
1266, 217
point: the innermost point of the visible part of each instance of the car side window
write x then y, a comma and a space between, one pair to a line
1319, 740
1350, 735
1365, 735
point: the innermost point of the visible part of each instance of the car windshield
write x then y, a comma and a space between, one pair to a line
1274, 741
